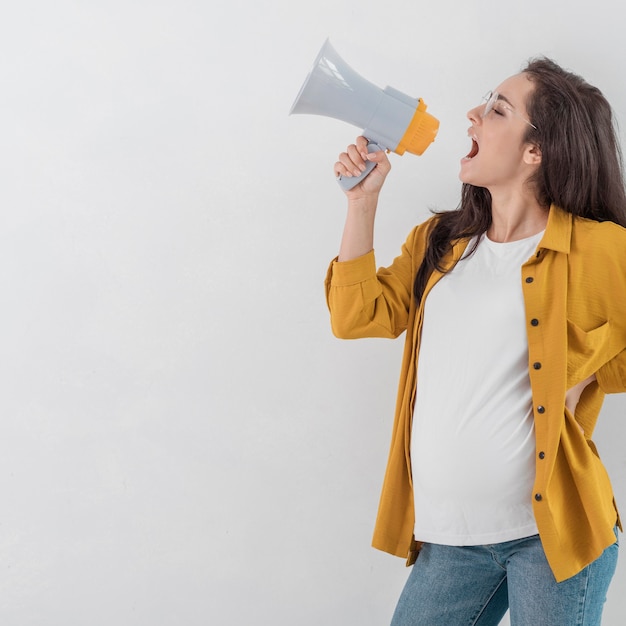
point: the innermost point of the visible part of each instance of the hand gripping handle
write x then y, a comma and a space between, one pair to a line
348, 182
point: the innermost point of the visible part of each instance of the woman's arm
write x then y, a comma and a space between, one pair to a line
358, 233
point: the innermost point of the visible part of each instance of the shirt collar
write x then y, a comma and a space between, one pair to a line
558, 233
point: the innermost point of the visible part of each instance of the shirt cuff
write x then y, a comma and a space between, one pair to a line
344, 273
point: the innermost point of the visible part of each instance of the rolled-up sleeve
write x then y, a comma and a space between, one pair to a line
365, 302
612, 375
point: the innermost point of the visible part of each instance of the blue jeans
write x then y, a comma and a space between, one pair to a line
475, 585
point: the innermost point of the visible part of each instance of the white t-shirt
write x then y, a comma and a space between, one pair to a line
473, 441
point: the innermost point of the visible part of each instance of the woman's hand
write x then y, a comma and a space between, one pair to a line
352, 163
572, 396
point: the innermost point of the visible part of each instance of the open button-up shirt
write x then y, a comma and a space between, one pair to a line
575, 299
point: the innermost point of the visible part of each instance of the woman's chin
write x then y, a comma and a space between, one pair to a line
465, 174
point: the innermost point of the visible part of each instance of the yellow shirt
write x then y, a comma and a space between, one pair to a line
575, 300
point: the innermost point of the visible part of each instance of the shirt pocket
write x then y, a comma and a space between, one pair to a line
587, 351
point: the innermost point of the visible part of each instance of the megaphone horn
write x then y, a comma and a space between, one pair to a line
390, 119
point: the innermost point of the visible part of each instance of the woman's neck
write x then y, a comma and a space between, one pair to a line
516, 218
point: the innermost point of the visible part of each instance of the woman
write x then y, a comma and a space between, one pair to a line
514, 308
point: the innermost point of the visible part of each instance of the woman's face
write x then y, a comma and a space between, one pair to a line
499, 158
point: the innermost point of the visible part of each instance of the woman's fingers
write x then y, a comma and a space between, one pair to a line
354, 161
351, 162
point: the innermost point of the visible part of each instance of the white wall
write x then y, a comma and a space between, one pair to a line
183, 441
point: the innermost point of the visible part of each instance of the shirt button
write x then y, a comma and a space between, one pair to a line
529, 279
542, 455
534, 322
537, 366
538, 497
541, 409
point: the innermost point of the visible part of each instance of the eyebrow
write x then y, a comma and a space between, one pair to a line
501, 97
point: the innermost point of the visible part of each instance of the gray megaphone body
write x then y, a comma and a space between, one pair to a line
390, 119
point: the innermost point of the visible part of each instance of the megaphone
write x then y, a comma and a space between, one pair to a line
390, 119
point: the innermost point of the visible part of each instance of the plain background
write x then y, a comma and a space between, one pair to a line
182, 439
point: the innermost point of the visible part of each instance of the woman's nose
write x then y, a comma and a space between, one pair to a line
474, 115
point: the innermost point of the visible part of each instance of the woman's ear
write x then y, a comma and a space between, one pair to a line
532, 154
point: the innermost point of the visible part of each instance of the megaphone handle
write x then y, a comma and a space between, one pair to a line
348, 182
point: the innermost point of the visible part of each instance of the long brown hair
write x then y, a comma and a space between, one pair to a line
580, 170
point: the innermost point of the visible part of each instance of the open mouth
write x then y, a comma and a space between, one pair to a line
474, 151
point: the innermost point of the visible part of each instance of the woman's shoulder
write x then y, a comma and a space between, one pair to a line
594, 231
605, 238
